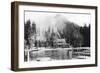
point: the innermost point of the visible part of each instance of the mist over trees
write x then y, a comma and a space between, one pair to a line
73, 34
76, 36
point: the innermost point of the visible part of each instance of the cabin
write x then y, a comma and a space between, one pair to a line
61, 43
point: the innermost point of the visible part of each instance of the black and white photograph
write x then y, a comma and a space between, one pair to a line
50, 36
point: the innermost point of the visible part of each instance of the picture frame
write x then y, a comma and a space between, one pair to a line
52, 36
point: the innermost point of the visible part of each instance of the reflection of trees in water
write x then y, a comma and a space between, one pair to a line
50, 54
63, 35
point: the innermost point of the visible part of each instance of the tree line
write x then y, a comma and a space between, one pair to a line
75, 35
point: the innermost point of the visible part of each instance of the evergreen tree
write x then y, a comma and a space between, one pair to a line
85, 31
27, 33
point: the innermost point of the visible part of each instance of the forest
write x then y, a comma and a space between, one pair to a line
73, 34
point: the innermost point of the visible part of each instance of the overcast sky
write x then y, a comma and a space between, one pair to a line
48, 19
